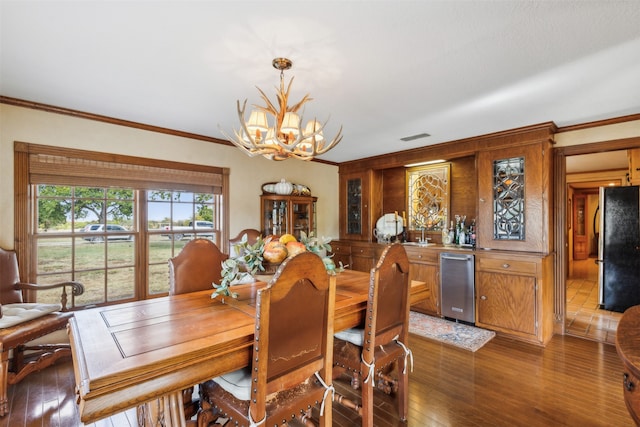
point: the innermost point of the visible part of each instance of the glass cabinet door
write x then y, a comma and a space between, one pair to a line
274, 216
288, 215
514, 194
354, 206
580, 238
303, 216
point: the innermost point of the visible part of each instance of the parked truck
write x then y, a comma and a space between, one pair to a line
203, 228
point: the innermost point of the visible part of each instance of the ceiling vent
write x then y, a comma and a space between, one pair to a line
414, 137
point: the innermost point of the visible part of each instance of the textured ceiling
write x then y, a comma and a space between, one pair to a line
382, 69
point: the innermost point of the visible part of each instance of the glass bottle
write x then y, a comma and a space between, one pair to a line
452, 234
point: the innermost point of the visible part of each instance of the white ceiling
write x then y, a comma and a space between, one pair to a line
382, 69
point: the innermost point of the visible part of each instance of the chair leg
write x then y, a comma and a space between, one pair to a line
4, 374
403, 392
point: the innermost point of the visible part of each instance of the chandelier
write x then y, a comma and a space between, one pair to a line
286, 138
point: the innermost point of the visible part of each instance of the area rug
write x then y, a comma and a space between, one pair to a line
457, 334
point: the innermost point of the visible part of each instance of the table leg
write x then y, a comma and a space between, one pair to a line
167, 411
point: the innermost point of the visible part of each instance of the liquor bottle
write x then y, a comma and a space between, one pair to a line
445, 235
462, 236
452, 234
472, 233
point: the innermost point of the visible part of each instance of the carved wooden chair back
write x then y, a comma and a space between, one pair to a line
373, 351
9, 278
292, 352
250, 235
196, 267
388, 304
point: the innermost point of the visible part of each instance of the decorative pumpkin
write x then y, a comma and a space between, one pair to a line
283, 187
295, 248
274, 252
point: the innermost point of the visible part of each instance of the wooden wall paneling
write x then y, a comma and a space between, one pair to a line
394, 190
463, 189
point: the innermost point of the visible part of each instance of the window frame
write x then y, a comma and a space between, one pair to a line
34, 163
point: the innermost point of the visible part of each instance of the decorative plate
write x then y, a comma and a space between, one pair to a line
389, 224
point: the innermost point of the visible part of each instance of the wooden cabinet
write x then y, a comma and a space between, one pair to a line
634, 166
360, 204
514, 295
341, 253
363, 256
514, 198
424, 271
287, 214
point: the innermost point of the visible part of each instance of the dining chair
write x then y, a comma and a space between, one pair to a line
249, 235
290, 371
23, 322
196, 267
371, 353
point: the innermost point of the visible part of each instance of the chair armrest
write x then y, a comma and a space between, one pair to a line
77, 288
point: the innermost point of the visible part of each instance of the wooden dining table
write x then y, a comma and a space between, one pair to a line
144, 353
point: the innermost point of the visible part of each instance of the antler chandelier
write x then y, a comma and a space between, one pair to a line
285, 138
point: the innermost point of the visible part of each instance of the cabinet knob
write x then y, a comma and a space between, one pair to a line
481, 200
419, 256
505, 265
628, 384
483, 297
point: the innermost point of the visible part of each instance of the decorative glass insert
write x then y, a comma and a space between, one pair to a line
428, 196
508, 199
354, 206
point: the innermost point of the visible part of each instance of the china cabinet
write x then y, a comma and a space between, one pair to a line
287, 214
514, 196
514, 295
360, 204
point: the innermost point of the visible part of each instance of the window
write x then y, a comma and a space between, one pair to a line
115, 228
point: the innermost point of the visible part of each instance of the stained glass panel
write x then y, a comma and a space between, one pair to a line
428, 197
508, 199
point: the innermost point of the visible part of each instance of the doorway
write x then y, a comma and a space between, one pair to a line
583, 316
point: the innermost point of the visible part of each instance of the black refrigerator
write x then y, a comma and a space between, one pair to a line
619, 247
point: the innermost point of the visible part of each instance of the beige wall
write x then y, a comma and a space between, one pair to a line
246, 174
598, 134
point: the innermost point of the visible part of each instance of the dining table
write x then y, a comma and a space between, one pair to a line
142, 354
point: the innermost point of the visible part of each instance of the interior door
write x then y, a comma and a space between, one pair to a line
620, 247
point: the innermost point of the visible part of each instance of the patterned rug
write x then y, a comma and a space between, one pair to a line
458, 334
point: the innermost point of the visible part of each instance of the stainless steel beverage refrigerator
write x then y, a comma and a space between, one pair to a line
619, 247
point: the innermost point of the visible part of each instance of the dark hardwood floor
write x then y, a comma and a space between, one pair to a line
571, 382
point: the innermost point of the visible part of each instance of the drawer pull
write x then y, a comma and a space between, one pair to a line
505, 265
628, 384
483, 297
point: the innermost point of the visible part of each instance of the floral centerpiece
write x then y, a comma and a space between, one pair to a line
251, 259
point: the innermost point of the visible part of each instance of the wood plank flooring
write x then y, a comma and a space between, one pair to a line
571, 382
